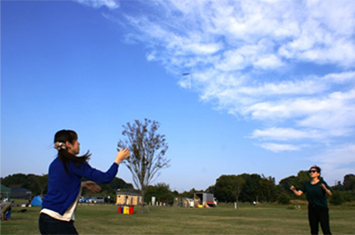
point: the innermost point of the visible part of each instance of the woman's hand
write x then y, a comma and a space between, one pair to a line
297, 192
92, 186
121, 155
326, 190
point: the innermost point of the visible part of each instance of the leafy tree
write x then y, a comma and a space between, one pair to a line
24, 181
250, 190
349, 182
164, 193
267, 189
288, 182
229, 187
41, 182
176, 193
189, 194
237, 183
283, 199
147, 149
338, 187
161, 192
210, 189
149, 193
15, 180
223, 189
337, 198
303, 177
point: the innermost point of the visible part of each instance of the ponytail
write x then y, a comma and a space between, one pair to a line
66, 157
60, 138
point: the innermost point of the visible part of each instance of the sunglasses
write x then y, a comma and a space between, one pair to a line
313, 171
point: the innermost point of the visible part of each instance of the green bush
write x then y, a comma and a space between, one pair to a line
283, 199
337, 198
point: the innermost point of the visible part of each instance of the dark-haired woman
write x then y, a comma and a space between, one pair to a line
316, 191
64, 183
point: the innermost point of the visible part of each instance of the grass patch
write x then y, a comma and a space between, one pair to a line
263, 219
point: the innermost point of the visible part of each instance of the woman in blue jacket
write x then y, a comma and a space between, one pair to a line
64, 183
316, 191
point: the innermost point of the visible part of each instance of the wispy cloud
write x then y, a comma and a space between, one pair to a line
337, 162
279, 147
286, 134
288, 64
111, 4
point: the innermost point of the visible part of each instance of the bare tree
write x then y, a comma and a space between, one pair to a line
147, 149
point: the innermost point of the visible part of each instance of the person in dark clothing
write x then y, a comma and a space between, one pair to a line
64, 183
316, 190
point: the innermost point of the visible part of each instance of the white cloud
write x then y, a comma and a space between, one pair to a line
285, 134
341, 77
300, 87
340, 155
336, 162
270, 61
203, 49
326, 32
258, 56
111, 4
279, 147
337, 111
232, 60
331, 113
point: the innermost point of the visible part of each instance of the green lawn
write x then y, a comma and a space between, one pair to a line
263, 219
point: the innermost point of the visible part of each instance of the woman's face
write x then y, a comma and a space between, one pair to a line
313, 173
73, 148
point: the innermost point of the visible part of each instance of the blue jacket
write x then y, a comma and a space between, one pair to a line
63, 187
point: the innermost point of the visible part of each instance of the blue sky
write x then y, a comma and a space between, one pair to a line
271, 88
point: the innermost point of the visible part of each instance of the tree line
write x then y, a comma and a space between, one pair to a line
250, 188
256, 188
228, 188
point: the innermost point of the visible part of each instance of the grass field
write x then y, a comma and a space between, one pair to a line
263, 219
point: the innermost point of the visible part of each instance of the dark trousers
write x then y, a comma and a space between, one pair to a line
49, 225
318, 215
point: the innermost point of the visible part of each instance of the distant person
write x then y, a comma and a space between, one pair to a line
5, 209
316, 191
64, 183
